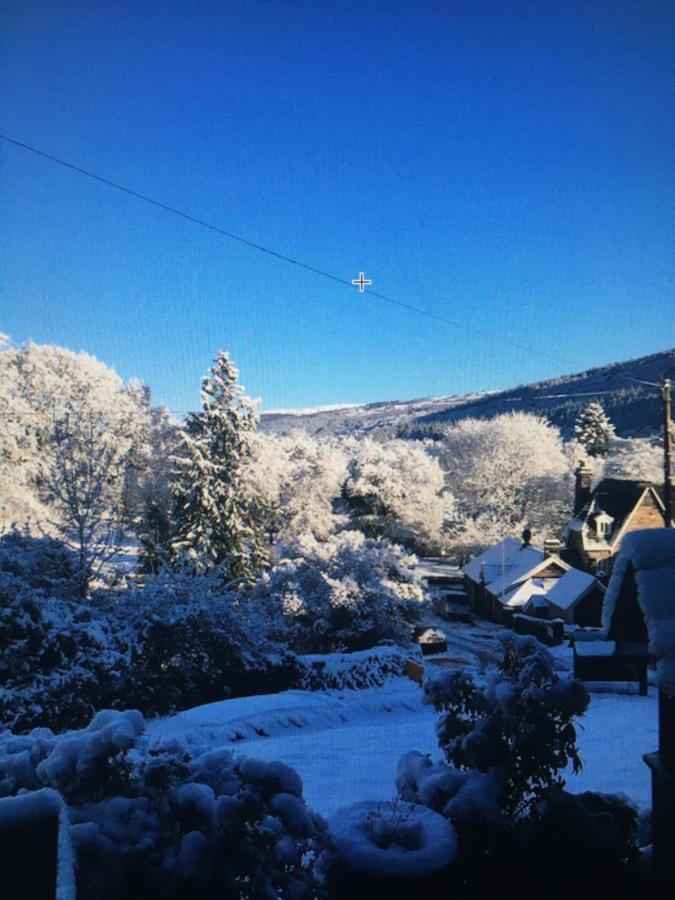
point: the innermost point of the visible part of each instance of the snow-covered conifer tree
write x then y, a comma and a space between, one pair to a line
216, 521
594, 430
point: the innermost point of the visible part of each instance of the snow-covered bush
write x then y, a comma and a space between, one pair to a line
58, 657
346, 593
148, 820
504, 745
390, 848
176, 643
518, 728
352, 671
190, 643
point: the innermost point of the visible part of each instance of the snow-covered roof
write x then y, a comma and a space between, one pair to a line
571, 587
615, 499
526, 590
650, 555
504, 564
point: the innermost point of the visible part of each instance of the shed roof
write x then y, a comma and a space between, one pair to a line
650, 555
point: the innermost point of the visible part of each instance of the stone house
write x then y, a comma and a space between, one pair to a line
603, 516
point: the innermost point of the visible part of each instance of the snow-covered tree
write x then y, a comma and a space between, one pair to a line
73, 429
216, 521
594, 429
346, 592
301, 478
397, 490
505, 473
640, 459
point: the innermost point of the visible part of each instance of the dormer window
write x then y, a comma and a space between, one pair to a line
603, 525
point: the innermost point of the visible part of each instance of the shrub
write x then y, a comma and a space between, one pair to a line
519, 728
148, 820
176, 643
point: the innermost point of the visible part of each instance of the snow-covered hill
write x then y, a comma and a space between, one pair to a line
633, 406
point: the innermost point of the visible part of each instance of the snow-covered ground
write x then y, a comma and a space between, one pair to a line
346, 744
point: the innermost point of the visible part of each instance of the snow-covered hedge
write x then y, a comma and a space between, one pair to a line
353, 671
148, 820
346, 593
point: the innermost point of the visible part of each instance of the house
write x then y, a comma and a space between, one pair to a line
640, 608
603, 516
515, 577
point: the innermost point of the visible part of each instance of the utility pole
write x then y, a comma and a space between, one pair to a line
667, 453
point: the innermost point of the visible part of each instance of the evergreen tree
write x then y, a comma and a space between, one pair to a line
594, 430
217, 523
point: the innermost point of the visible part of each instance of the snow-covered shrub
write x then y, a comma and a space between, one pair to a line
148, 820
41, 563
504, 745
177, 642
348, 592
190, 643
352, 671
518, 728
58, 657
390, 848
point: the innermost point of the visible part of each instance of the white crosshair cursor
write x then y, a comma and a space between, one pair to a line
361, 282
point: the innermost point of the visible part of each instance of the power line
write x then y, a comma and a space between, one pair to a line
282, 256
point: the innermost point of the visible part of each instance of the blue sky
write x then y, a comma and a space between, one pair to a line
506, 165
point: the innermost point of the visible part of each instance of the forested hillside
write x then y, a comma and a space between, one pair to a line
633, 407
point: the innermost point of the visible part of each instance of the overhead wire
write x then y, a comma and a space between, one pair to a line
196, 220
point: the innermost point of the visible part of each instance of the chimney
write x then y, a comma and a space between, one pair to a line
582, 486
552, 547
527, 537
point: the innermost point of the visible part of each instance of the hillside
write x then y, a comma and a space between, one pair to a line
634, 408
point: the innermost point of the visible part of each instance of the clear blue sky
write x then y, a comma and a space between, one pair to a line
509, 165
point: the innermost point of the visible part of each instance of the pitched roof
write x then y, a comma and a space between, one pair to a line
571, 587
620, 496
502, 565
650, 555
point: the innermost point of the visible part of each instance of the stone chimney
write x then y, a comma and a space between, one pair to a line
582, 486
552, 547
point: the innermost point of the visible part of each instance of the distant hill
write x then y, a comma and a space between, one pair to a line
635, 409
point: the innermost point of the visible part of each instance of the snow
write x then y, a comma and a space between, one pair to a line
570, 588
504, 564
403, 840
310, 410
651, 554
595, 648
346, 745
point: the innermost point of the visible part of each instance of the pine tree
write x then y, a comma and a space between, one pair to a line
594, 430
216, 521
